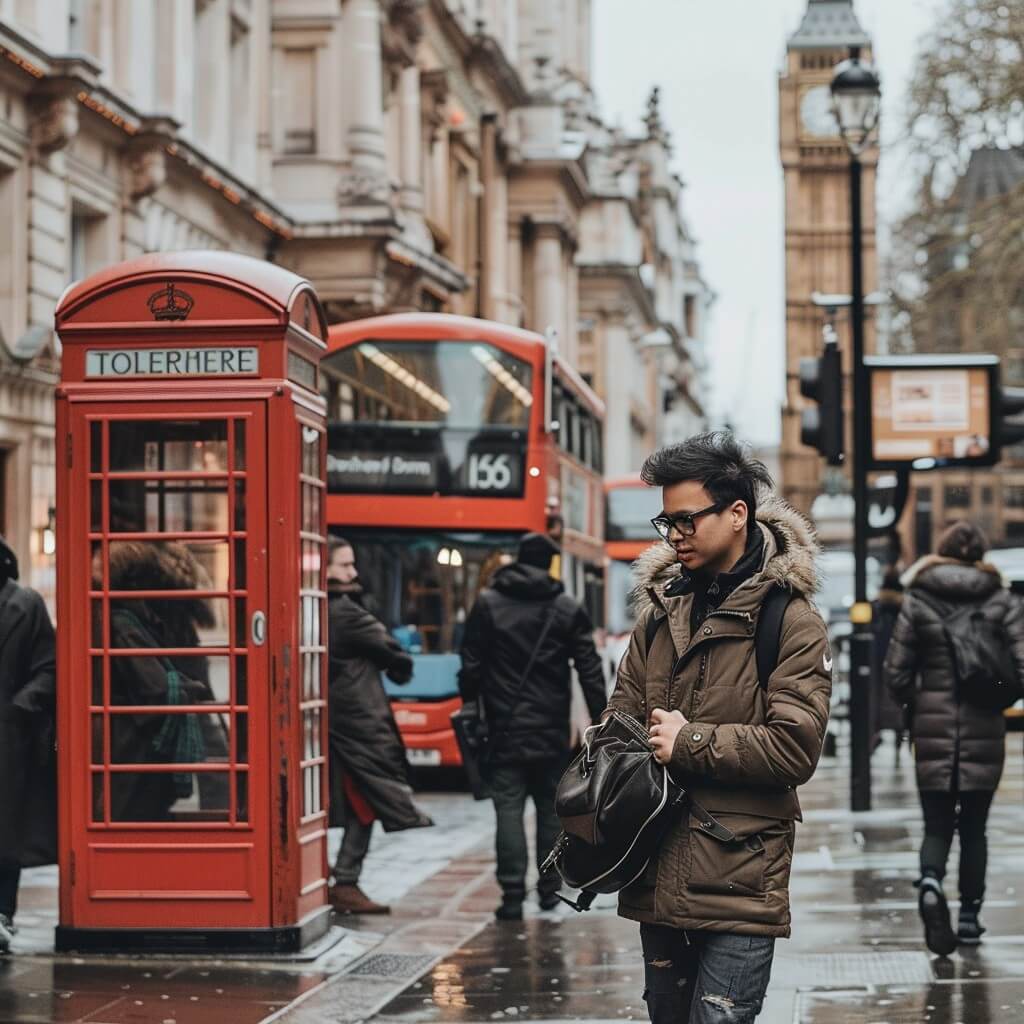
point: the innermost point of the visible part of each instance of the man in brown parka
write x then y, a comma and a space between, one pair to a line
709, 911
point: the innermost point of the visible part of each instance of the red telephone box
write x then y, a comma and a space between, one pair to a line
191, 608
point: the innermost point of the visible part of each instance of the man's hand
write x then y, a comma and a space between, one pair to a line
665, 726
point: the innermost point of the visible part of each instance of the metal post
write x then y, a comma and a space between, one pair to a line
861, 640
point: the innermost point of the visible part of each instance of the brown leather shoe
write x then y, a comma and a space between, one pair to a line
350, 899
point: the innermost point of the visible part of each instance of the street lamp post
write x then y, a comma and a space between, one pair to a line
856, 97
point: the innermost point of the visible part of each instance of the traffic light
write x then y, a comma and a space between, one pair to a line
1010, 404
821, 425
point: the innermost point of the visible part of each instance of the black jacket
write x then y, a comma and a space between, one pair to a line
885, 712
28, 798
530, 723
957, 745
365, 741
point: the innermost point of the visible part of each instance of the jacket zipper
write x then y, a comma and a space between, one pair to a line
703, 658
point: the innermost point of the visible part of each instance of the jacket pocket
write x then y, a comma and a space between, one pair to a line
741, 866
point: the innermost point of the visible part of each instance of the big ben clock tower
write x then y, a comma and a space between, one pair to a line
816, 163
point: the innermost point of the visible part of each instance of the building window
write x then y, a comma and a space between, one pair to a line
1015, 531
88, 242
299, 102
690, 315
957, 496
986, 496
1013, 496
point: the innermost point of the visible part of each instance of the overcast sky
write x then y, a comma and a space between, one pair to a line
717, 62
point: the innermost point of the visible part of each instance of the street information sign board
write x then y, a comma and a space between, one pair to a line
932, 408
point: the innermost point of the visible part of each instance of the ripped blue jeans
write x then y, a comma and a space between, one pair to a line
704, 977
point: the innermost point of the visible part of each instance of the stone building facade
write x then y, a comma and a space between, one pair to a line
402, 154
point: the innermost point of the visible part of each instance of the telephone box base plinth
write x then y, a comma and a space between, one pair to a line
291, 939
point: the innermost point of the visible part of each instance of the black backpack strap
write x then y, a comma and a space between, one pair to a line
769, 633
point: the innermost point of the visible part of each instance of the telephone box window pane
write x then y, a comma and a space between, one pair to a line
241, 681
307, 792
311, 451
311, 557
242, 796
240, 565
241, 623
168, 506
164, 565
96, 506
140, 680
173, 622
217, 674
169, 738
194, 446
97, 681
96, 447
310, 622
96, 723
168, 797
97, 797
97, 623
239, 444
240, 505
241, 739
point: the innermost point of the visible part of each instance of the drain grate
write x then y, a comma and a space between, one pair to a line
836, 970
393, 965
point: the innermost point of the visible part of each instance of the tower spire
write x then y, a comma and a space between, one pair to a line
827, 25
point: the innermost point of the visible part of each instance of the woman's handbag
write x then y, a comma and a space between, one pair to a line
616, 804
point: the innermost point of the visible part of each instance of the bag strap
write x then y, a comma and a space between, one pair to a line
768, 640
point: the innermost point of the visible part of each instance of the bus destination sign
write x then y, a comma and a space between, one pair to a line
173, 362
481, 473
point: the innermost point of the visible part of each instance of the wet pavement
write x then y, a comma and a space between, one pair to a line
856, 954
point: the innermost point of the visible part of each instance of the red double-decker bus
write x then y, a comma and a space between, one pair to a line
630, 505
448, 439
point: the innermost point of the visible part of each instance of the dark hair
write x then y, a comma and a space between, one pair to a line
335, 543
963, 541
725, 468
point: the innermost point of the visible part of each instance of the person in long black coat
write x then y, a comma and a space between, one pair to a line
886, 714
527, 703
369, 775
28, 798
959, 747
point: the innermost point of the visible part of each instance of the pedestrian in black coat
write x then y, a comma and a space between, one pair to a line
28, 798
369, 777
959, 747
528, 712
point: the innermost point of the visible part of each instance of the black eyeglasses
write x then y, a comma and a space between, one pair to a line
684, 522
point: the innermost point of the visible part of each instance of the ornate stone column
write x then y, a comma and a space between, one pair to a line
366, 179
549, 280
412, 141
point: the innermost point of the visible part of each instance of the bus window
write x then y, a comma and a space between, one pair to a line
630, 511
437, 417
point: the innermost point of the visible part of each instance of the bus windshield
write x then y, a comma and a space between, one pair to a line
422, 586
427, 417
630, 511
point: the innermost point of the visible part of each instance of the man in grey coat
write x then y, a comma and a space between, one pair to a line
959, 747
28, 801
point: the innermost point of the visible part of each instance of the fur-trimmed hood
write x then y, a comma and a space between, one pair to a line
953, 580
790, 555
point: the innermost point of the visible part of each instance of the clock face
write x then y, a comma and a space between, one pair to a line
816, 112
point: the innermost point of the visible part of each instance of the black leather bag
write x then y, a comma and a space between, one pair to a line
616, 803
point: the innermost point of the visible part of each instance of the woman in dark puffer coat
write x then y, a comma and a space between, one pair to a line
959, 747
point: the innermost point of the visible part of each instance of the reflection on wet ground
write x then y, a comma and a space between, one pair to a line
42, 990
856, 953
